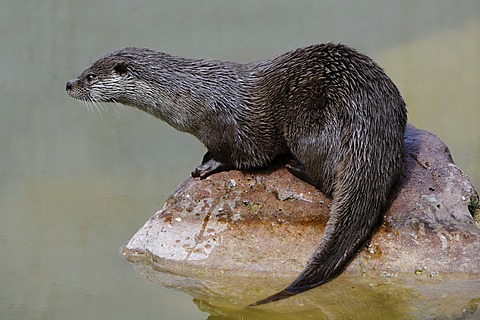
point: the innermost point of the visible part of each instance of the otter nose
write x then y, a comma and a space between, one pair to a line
68, 86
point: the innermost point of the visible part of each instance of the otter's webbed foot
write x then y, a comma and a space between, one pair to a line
299, 171
210, 166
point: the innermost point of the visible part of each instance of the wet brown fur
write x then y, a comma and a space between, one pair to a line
330, 107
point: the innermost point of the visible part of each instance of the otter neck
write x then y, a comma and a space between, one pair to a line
185, 91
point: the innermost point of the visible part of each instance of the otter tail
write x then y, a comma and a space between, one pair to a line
356, 211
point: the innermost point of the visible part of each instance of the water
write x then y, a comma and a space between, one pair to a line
75, 185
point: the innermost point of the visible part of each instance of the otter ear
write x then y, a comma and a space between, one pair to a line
120, 67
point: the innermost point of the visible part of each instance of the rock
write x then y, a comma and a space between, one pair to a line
223, 235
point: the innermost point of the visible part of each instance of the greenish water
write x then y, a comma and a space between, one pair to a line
74, 185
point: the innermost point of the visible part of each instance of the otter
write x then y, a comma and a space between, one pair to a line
330, 109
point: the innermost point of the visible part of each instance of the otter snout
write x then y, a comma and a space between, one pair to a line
72, 89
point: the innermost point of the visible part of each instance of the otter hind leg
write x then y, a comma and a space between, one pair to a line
299, 171
210, 166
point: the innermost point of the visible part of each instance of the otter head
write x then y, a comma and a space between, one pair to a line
104, 81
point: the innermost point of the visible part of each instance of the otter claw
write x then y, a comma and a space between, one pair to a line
210, 167
299, 171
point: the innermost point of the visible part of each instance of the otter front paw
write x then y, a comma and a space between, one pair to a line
210, 167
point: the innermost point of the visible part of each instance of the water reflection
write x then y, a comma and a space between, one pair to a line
398, 296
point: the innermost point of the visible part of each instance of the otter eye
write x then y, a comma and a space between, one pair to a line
90, 77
